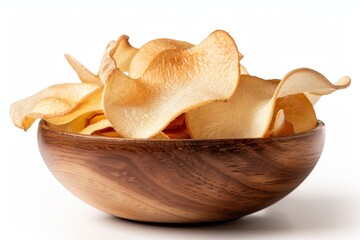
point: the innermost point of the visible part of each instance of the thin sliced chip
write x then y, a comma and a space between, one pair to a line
97, 126
54, 101
314, 97
108, 132
281, 126
149, 51
117, 55
123, 53
239, 117
76, 125
88, 104
249, 112
174, 82
97, 118
298, 111
304, 80
83, 73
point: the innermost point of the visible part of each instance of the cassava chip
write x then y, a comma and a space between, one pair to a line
149, 51
298, 111
96, 126
281, 126
240, 117
76, 125
83, 73
117, 55
174, 82
59, 102
248, 113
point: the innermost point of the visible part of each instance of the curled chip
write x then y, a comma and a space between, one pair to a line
174, 82
58, 104
175, 90
249, 112
96, 126
83, 73
281, 127
298, 111
76, 125
118, 54
149, 51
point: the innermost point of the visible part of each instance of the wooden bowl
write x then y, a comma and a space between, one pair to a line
180, 181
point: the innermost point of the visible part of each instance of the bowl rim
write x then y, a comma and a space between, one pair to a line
43, 126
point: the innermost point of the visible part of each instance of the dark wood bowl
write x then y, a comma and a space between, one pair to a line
180, 181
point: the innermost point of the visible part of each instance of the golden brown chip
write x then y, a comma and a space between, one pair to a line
174, 82
249, 111
61, 103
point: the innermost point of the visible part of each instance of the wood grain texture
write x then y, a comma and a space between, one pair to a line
180, 181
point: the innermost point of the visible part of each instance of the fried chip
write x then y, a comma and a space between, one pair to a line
117, 55
248, 113
149, 51
76, 125
97, 118
298, 111
83, 73
281, 126
58, 104
108, 132
174, 82
96, 126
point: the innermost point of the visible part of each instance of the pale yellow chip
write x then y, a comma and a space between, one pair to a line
83, 73
149, 51
117, 55
174, 82
97, 118
239, 117
295, 114
61, 103
96, 126
249, 112
88, 104
298, 111
76, 125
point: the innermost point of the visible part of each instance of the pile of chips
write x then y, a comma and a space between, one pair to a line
170, 89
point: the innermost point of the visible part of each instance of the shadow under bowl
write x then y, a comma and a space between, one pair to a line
180, 181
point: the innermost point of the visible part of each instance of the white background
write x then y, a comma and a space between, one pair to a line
274, 37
